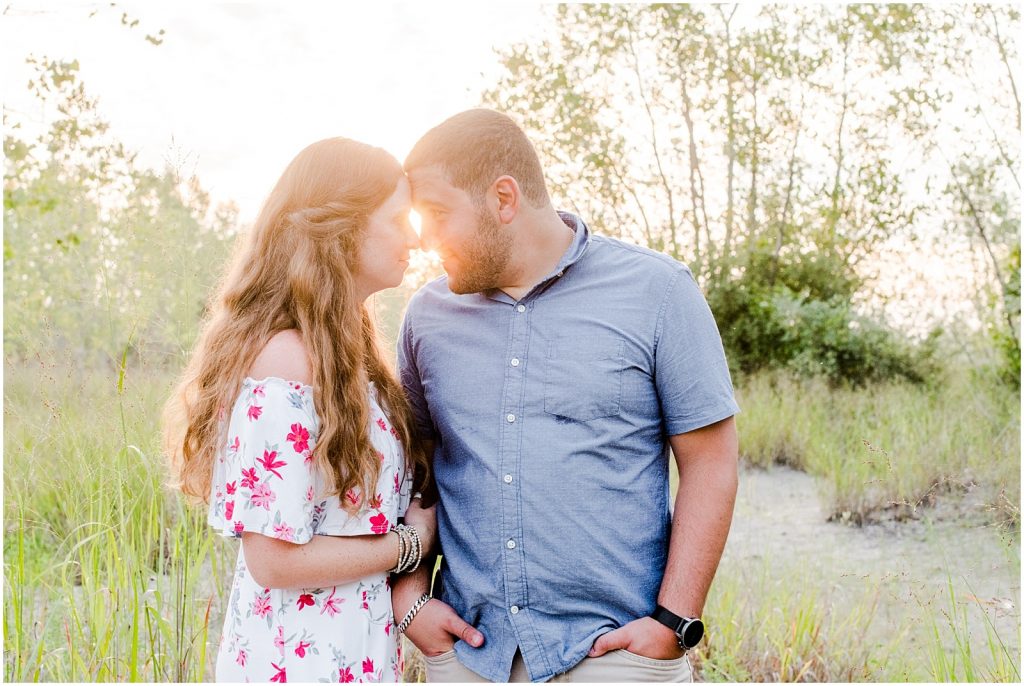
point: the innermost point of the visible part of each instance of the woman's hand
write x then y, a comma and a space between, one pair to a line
425, 521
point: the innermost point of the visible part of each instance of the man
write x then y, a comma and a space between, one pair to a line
552, 369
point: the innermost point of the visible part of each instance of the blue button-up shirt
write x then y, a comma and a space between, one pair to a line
551, 416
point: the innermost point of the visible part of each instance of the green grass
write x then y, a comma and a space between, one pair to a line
890, 449
108, 577
766, 626
951, 652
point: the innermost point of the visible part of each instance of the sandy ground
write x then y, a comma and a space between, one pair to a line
780, 523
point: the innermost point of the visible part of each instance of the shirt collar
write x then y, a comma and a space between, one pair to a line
572, 255
580, 242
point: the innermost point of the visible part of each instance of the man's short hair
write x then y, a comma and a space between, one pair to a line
477, 146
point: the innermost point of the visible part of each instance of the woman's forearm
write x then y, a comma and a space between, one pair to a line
323, 561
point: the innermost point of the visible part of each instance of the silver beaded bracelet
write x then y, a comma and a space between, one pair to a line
416, 607
410, 549
419, 550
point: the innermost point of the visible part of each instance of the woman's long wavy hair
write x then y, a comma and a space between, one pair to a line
294, 270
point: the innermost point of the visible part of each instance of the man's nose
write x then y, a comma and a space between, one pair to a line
428, 237
412, 240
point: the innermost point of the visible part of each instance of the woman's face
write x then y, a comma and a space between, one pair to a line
384, 255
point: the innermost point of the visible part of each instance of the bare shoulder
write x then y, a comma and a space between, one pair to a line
284, 356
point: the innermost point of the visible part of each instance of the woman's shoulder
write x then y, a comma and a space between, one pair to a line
283, 357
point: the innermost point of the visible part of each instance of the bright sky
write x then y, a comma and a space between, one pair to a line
237, 89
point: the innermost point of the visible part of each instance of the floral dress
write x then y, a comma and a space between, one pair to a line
264, 482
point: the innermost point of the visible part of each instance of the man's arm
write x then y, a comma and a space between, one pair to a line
436, 627
708, 478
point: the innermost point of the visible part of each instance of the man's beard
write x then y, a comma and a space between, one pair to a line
483, 260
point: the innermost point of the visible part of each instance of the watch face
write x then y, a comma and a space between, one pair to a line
692, 633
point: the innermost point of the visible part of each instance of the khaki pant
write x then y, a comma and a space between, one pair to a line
617, 665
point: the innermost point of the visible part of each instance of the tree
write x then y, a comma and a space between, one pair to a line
98, 253
758, 146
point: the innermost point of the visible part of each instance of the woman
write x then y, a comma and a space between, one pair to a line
291, 425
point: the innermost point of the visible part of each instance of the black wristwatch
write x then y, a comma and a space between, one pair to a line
688, 630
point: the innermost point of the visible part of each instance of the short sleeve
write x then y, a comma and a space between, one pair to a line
409, 375
691, 373
263, 481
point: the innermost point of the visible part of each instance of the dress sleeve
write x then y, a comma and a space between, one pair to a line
264, 480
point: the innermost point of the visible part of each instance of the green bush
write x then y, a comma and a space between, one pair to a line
1007, 340
795, 312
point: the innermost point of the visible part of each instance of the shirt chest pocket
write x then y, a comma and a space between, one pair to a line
583, 379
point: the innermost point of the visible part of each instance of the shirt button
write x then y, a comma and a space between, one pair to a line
510, 544
514, 609
520, 308
508, 478
510, 418
514, 362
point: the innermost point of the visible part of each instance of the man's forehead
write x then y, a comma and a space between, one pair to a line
431, 180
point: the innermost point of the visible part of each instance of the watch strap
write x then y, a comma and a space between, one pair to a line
682, 627
669, 619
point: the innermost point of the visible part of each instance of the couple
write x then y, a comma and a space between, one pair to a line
542, 385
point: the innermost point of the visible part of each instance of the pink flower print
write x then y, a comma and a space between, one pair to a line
232, 487
280, 677
249, 477
279, 640
367, 666
366, 605
239, 527
332, 605
394, 432
387, 627
379, 524
254, 412
299, 437
383, 426
345, 676
300, 649
241, 657
229, 510
284, 532
353, 496
397, 486
380, 455
262, 496
309, 494
258, 390
305, 600
307, 457
233, 445
270, 464
261, 605
375, 501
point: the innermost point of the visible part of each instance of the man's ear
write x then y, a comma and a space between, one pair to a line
506, 190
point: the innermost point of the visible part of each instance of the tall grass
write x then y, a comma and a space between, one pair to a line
890, 449
109, 577
952, 649
764, 626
